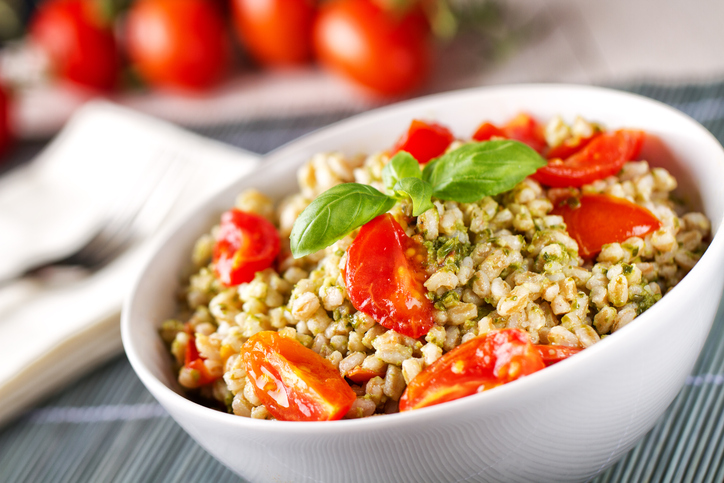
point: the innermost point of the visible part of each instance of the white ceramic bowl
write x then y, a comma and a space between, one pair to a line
565, 423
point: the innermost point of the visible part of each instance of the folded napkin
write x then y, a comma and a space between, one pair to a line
51, 331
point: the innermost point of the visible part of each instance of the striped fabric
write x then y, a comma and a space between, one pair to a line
108, 428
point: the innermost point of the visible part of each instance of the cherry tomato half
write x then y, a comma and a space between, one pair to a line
603, 156
245, 244
295, 383
178, 44
194, 361
555, 353
275, 32
424, 141
523, 128
357, 39
596, 220
384, 277
482, 363
80, 45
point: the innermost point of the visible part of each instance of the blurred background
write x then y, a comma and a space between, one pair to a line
255, 74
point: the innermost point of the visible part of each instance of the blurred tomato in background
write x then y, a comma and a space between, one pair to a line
78, 41
6, 136
180, 44
386, 51
275, 32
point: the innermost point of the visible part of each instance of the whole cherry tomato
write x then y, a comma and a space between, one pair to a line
596, 220
275, 32
386, 53
245, 244
6, 133
603, 156
523, 128
178, 44
194, 361
295, 383
80, 44
424, 141
555, 353
482, 363
384, 277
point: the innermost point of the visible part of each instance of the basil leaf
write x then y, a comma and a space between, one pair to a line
481, 169
402, 165
334, 214
419, 191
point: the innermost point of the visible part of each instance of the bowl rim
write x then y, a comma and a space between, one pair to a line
167, 395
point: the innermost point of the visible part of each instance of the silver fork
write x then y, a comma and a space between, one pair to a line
146, 203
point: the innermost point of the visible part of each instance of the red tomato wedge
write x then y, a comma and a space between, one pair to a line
361, 375
555, 353
193, 360
482, 363
523, 128
597, 220
604, 156
295, 383
245, 244
424, 141
384, 277
568, 148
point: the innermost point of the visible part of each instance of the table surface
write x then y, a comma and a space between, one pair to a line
107, 427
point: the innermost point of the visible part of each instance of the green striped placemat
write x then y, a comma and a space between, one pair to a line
107, 428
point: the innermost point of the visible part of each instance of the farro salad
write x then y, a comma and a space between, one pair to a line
428, 272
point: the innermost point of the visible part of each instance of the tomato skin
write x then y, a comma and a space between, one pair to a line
597, 220
81, 48
6, 131
361, 375
178, 44
603, 156
552, 354
424, 141
194, 361
484, 362
275, 32
385, 283
245, 244
363, 43
523, 128
568, 148
295, 383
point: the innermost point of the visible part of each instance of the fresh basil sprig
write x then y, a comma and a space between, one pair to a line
481, 169
465, 175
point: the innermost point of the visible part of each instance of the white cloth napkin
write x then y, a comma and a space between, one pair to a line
51, 332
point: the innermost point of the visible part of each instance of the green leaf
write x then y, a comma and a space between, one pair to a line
334, 214
402, 165
419, 191
476, 170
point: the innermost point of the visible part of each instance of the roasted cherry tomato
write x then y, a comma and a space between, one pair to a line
493, 359
603, 156
245, 244
6, 132
386, 53
194, 361
555, 353
523, 128
79, 43
178, 44
596, 220
424, 141
361, 375
295, 383
569, 147
384, 277
275, 32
